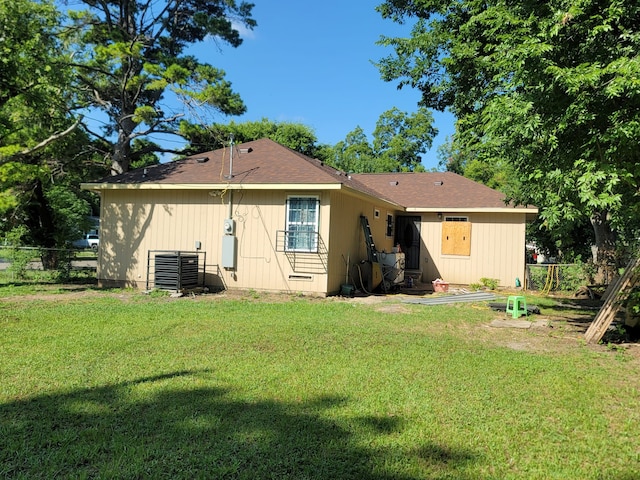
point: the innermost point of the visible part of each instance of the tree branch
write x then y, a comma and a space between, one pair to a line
44, 143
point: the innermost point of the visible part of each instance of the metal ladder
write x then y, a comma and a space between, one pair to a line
372, 253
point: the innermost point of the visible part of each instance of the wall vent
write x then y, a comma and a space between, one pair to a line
306, 278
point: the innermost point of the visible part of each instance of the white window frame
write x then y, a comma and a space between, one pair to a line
307, 224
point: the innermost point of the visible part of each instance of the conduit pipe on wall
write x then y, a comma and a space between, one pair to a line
229, 177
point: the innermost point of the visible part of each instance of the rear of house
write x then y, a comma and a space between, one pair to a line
268, 218
454, 228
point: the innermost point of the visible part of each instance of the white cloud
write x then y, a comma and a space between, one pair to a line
244, 32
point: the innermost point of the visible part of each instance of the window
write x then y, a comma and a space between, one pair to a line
302, 224
389, 225
456, 236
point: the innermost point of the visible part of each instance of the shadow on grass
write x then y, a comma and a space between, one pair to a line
161, 427
72, 284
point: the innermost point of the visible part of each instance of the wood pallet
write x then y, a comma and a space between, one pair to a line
614, 301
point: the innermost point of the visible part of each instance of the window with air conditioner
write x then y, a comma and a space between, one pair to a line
302, 224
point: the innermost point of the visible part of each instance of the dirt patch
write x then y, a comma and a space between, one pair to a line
59, 293
393, 308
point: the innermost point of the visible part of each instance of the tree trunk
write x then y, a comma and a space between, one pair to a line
121, 153
121, 160
42, 225
604, 251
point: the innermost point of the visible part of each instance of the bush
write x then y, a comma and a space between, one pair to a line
485, 283
490, 283
19, 259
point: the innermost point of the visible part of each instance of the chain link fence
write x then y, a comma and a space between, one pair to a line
554, 277
46, 264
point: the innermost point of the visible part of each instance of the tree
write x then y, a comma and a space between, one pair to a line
354, 153
131, 54
497, 174
296, 136
34, 98
550, 88
398, 140
40, 202
450, 158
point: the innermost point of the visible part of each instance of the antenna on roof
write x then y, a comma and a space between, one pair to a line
230, 176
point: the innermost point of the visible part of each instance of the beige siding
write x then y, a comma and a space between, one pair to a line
134, 222
137, 221
346, 239
497, 250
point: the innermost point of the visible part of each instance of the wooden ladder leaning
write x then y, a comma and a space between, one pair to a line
613, 302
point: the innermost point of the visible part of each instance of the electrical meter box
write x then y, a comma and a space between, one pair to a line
229, 226
229, 251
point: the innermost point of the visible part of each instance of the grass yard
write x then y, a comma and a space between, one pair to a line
116, 384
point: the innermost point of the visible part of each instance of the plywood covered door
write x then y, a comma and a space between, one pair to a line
408, 236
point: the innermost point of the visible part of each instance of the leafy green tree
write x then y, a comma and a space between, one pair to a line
34, 98
497, 174
354, 154
296, 136
551, 88
48, 207
450, 158
130, 55
398, 141
41, 148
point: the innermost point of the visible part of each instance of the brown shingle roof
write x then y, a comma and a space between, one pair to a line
433, 190
258, 162
265, 162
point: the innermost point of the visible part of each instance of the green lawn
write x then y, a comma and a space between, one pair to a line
122, 385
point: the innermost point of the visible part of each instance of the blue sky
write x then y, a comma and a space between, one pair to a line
310, 63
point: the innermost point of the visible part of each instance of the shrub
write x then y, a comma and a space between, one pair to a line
490, 283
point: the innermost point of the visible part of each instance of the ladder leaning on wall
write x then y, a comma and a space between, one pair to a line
372, 253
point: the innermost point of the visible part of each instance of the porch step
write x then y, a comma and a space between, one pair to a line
415, 274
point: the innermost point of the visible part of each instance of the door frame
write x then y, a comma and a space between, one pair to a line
407, 235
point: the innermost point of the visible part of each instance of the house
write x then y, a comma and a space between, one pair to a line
261, 216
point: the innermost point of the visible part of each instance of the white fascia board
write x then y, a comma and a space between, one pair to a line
240, 186
209, 186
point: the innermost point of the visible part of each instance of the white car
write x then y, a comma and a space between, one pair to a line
90, 240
